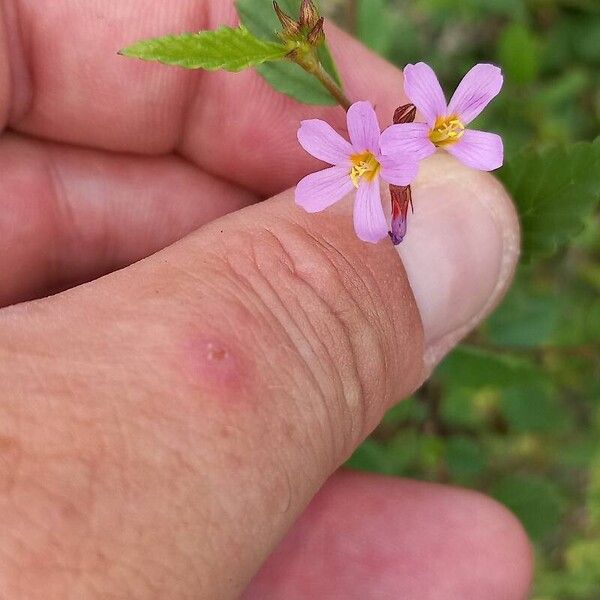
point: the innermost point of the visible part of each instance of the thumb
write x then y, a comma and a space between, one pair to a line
229, 375
461, 251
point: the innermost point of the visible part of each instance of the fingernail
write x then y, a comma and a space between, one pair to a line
461, 250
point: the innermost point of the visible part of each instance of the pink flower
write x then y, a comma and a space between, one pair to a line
446, 125
356, 165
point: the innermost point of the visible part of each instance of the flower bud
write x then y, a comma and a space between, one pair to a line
290, 27
309, 15
401, 200
317, 35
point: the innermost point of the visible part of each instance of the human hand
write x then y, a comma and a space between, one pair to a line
162, 428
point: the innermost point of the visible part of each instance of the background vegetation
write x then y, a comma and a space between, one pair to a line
515, 412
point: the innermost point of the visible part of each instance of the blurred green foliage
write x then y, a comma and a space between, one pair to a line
515, 412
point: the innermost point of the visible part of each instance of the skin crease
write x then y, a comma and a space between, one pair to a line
42, 191
125, 472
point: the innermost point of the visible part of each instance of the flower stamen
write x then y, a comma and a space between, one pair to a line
364, 165
447, 131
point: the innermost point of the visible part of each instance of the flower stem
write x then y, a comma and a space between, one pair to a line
332, 87
311, 64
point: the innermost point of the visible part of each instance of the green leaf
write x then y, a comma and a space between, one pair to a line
555, 190
593, 500
398, 456
259, 17
472, 367
291, 80
226, 48
586, 39
464, 458
536, 501
407, 411
377, 25
518, 53
371, 456
533, 407
580, 324
458, 408
525, 319
583, 563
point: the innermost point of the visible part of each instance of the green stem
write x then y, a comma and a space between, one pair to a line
332, 87
313, 66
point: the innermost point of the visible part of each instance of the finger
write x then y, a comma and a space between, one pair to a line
228, 376
233, 125
5, 75
69, 215
365, 536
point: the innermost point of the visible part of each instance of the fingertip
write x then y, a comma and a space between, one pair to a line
367, 536
503, 539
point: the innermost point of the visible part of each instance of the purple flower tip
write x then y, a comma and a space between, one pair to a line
397, 238
399, 229
401, 200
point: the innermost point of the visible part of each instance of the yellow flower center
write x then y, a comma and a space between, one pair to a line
364, 165
447, 130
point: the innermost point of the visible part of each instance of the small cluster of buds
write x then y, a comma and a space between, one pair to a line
303, 39
308, 27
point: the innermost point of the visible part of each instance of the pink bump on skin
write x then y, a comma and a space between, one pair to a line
214, 363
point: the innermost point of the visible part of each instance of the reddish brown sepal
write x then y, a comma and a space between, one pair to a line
405, 114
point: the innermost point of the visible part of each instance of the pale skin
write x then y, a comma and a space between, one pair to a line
164, 428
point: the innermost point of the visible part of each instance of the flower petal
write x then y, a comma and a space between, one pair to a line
408, 138
477, 89
424, 91
370, 222
323, 142
363, 127
479, 149
399, 168
320, 190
